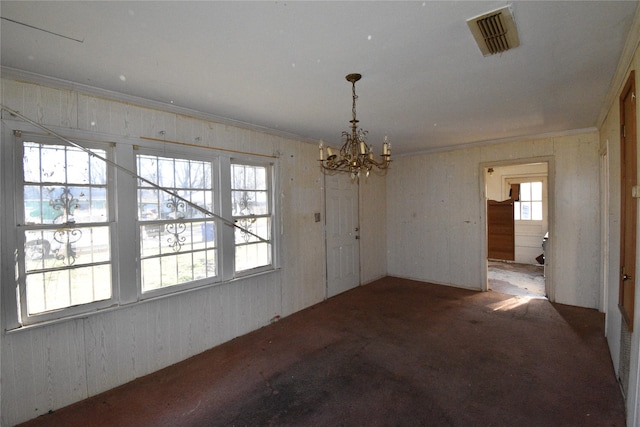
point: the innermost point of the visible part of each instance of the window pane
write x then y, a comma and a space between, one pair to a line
78, 175
252, 213
261, 178
525, 210
148, 204
252, 256
67, 263
536, 211
177, 240
536, 191
249, 228
147, 168
55, 166
246, 203
166, 173
54, 290
151, 274
66, 246
98, 169
530, 206
525, 191
177, 269
200, 175
31, 162
246, 177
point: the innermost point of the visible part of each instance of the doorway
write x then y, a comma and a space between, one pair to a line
342, 234
518, 205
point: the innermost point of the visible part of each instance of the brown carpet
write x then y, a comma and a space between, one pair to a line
395, 352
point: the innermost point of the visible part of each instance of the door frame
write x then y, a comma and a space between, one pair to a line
605, 203
628, 317
549, 253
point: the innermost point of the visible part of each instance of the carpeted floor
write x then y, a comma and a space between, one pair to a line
395, 352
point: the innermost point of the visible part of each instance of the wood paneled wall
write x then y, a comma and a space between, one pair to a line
47, 367
436, 224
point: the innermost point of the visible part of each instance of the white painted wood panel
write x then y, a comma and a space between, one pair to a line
528, 238
41, 370
577, 244
47, 367
427, 206
433, 218
373, 228
46, 105
301, 197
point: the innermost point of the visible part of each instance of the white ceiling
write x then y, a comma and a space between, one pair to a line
282, 64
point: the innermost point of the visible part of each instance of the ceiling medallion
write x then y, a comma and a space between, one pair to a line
355, 156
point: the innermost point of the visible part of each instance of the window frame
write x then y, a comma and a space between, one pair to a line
126, 287
15, 230
545, 200
188, 154
270, 178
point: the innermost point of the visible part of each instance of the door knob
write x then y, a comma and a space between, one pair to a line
626, 277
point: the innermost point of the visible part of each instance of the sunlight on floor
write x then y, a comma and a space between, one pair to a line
511, 303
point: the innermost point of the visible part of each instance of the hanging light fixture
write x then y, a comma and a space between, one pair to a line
355, 156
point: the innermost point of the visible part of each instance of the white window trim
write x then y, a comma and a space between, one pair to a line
271, 174
125, 289
508, 180
14, 295
189, 154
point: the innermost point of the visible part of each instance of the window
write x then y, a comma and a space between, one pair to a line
251, 201
177, 242
529, 206
85, 235
66, 228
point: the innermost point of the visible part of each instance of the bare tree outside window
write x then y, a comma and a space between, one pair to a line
250, 196
177, 242
67, 254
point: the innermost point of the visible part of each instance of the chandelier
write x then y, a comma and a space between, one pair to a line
355, 156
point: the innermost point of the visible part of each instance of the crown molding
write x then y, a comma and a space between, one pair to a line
489, 142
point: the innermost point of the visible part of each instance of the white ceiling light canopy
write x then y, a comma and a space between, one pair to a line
495, 31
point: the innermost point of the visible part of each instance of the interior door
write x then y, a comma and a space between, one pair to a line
628, 203
501, 240
343, 248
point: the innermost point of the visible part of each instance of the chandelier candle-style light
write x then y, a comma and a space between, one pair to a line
355, 156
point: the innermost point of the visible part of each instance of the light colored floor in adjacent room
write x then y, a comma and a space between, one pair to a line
516, 279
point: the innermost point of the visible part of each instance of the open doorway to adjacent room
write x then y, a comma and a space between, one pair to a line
517, 228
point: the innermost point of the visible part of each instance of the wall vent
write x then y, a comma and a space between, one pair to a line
495, 31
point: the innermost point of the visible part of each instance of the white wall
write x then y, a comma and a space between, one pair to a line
46, 367
434, 224
373, 219
436, 230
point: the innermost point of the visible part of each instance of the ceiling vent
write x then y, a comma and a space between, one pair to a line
495, 31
